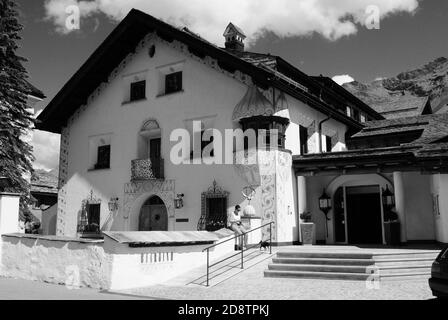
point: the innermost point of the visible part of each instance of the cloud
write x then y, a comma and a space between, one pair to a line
343, 78
285, 18
45, 149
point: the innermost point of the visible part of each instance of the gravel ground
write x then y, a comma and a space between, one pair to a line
252, 285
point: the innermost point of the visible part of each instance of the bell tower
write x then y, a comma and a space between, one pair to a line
234, 37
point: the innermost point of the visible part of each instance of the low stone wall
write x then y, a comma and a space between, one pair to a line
98, 264
56, 260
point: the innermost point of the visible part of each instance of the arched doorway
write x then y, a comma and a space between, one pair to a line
153, 215
357, 208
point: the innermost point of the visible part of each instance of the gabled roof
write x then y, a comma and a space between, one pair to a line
126, 36
428, 151
44, 182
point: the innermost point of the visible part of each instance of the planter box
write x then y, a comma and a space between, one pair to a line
308, 231
392, 233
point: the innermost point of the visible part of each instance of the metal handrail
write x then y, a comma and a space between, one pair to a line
242, 248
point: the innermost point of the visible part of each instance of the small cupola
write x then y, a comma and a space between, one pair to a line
234, 37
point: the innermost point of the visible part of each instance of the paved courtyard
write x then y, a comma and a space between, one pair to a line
252, 285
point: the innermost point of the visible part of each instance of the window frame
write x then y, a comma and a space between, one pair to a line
101, 163
137, 85
303, 139
178, 81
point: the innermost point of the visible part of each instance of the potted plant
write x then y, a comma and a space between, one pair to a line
307, 229
391, 228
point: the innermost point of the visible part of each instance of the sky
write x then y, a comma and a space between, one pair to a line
328, 37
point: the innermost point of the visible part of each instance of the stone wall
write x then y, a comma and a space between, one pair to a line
99, 264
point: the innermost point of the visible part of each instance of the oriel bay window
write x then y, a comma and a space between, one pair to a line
266, 125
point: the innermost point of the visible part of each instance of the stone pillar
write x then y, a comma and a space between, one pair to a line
302, 194
400, 203
9, 213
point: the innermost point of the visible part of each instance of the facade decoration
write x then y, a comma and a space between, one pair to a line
63, 176
164, 189
141, 169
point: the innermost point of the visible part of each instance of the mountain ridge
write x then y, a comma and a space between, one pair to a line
407, 93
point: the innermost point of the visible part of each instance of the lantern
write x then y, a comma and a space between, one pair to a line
178, 201
113, 204
325, 207
388, 198
324, 203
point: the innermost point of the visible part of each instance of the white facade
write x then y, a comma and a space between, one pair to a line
210, 95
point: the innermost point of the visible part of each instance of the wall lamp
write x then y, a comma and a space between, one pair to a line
179, 201
113, 204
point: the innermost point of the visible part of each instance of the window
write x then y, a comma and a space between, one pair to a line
328, 145
216, 214
348, 111
303, 132
363, 117
356, 115
93, 218
214, 206
203, 145
173, 82
89, 220
103, 159
266, 123
138, 90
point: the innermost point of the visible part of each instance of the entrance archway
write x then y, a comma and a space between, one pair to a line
153, 215
357, 212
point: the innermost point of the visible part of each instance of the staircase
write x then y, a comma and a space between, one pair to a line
353, 265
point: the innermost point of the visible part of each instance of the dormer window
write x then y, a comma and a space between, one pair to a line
348, 111
363, 117
173, 82
138, 90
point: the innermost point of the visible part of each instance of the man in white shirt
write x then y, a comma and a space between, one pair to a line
234, 223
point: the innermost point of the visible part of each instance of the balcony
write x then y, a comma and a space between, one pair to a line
147, 169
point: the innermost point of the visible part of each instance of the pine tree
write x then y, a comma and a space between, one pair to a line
15, 120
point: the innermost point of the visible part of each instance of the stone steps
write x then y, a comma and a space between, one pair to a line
351, 265
321, 261
230, 268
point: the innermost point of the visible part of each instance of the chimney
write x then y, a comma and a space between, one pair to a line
234, 38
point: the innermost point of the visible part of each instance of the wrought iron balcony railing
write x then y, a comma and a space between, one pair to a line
147, 169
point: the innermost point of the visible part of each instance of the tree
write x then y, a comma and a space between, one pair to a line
15, 120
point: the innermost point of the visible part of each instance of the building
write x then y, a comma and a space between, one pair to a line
118, 117
44, 196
